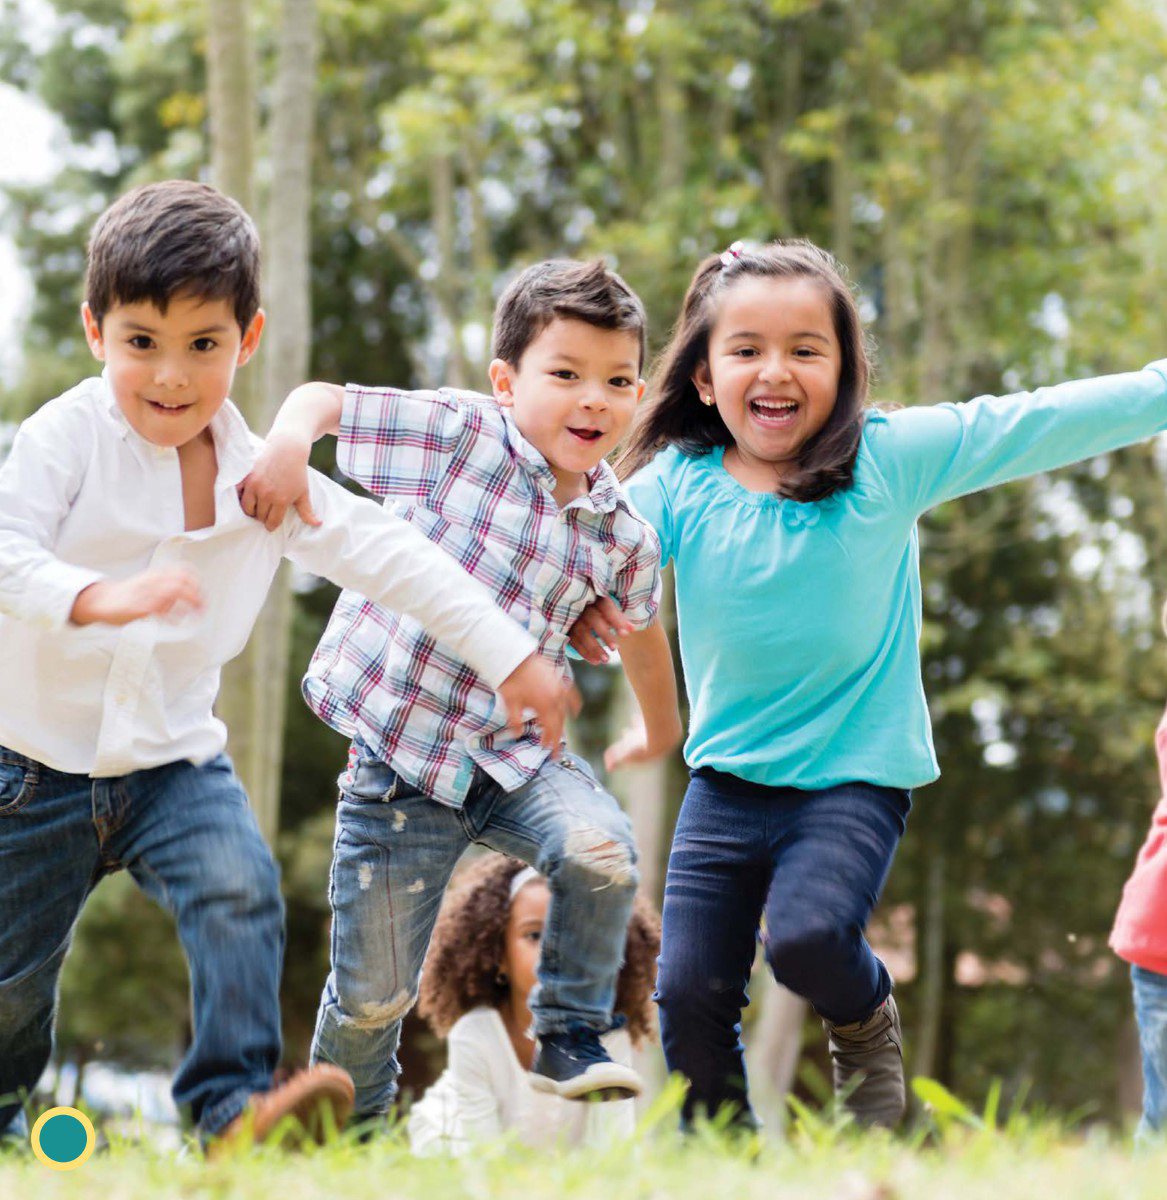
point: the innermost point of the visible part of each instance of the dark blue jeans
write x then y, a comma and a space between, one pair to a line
805, 866
189, 839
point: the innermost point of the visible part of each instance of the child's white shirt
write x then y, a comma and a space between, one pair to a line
485, 1092
85, 498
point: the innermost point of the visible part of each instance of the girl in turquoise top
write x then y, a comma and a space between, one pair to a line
789, 509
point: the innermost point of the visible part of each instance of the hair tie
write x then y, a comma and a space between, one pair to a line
520, 880
735, 251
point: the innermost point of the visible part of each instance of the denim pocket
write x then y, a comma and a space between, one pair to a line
368, 780
18, 780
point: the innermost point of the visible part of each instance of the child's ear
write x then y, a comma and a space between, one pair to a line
640, 385
502, 381
92, 332
250, 341
702, 380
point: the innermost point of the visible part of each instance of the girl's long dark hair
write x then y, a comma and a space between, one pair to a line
674, 414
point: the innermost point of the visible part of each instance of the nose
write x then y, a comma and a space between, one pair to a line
593, 398
775, 368
170, 373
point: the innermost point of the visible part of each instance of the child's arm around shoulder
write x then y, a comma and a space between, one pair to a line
391, 441
278, 480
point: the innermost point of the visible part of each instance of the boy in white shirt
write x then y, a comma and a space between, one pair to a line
128, 576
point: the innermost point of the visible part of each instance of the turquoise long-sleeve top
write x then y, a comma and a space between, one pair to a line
799, 624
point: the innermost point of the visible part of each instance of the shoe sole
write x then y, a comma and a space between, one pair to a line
598, 1084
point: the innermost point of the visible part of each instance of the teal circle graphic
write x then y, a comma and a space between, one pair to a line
63, 1138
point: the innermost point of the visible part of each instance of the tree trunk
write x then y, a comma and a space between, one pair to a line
251, 701
285, 364
446, 284
932, 969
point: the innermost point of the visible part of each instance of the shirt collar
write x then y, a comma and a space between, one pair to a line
602, 494
235, 444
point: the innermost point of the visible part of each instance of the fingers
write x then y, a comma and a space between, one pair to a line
598, 630
306, 511
174, 594
247, 496
515, 720
551, 720
583, 642
613, 615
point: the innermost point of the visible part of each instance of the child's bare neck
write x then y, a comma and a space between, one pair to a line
569, 486
199, 468
755, 475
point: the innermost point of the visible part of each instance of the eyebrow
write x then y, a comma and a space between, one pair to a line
626, 365
137, 326
803, 333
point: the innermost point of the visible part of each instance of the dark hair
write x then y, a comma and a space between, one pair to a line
175, 238
674, 415
461, 967
562, 287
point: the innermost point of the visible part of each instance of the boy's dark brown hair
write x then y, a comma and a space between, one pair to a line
674, 414
168, 239
462, 965
562, 287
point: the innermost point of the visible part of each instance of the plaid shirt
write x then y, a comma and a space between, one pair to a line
459, 469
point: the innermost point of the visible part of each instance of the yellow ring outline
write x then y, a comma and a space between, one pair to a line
90, 1139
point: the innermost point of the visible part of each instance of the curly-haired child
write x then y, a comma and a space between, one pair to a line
478, 976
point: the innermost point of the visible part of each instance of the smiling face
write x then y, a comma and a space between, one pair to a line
773, 369
170, 372
573, 394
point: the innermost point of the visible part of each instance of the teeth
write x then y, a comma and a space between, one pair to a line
783, 406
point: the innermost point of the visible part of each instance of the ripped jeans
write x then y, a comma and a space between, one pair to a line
394, 853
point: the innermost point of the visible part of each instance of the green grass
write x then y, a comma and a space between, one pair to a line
952, 1153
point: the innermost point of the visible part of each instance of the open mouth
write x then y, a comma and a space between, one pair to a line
585, 435
167, 409
773, 412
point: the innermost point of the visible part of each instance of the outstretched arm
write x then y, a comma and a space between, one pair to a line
933, 453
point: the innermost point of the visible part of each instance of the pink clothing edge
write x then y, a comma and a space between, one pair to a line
1140, 926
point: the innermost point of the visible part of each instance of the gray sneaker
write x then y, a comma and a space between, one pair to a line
868, 1061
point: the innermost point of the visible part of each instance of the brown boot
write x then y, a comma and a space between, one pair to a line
870, 1051
306, 1096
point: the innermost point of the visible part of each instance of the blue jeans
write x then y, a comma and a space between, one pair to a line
806, 866
394, 853
187, 836
1150, 990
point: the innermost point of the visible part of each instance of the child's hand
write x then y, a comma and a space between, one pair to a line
600, 625
635, 746
537, 685
159, 592
277, 481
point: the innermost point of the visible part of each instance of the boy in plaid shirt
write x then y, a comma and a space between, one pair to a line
516, 488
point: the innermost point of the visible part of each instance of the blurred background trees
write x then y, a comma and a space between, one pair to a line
991, 173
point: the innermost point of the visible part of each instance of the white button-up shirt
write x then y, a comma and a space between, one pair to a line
84, 498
